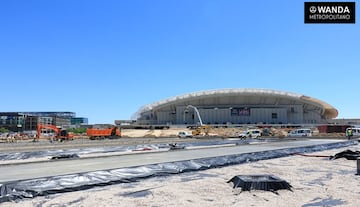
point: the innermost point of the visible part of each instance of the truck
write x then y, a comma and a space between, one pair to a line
110, 133
60, 134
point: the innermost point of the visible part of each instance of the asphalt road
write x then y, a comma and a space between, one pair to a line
62, 167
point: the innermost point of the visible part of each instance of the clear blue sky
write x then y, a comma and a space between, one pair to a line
106, 59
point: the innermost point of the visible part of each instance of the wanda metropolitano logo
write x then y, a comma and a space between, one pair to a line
329, 12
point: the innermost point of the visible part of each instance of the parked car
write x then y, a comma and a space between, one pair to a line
250, 133
300, 133
185, 135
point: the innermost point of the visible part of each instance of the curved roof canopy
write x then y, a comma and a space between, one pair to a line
328, 110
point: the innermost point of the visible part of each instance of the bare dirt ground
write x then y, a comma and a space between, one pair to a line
138, 137
316, 181
28, 145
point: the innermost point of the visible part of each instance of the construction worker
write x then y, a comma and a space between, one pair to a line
250, 134
349, 133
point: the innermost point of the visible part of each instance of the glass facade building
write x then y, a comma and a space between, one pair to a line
28, 121
79, 121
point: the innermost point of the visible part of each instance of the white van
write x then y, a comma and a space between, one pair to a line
300, 133
251, 133
185, 135
355, 131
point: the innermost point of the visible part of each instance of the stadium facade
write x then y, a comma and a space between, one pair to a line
236, 106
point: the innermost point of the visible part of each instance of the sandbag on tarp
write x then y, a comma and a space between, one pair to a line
348, 154
175, 146
65, 156
259, 182
15, 190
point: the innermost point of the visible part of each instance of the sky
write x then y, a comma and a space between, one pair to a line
106, 59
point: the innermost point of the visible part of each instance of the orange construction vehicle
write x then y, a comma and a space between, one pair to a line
110, 133
60, 134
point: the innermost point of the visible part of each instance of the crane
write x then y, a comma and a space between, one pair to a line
202, 128
197, 113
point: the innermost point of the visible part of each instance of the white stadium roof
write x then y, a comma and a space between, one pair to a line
329, 111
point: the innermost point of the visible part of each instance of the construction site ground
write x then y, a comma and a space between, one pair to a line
138, 137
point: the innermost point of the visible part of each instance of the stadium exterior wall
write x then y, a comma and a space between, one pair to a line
237, 106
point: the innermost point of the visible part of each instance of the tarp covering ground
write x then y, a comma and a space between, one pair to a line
86, 151
15, 190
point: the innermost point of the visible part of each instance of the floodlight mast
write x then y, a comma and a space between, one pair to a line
197, 113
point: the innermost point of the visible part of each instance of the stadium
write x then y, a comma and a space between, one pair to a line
236, 106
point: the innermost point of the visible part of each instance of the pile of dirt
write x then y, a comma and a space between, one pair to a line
151, 132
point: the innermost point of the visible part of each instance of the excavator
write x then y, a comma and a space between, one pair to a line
110, 133
61, 134
201, 130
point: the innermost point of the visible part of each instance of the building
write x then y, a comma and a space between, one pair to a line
28, 121
79, 121
352, 122
236, 106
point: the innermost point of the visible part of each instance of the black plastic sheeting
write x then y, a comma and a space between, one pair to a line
15, 190
347, 154
65, 156
53, 153
259, 182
